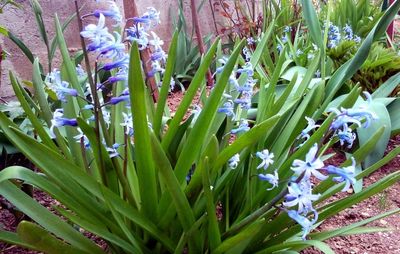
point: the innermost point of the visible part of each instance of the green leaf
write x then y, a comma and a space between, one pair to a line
31, 115
394, 113
198, 134
299, 245
14, 239
387, 88
144, 159
347, 230
45, 218
162, 99
312, 22
365, 133
43, 240
188, 97
347, 70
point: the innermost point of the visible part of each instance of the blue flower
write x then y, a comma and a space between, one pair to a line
279, 48
345, 174
271, 178
284, 39
310, 166
244, 102
352, 116
113, 12
247, 54
58, 121
250, 41
112, 47
233, 162
156, 67
60, 87
138, 33
303, 221
299, 52
348, 32
97, 34
243, 127
121, 75
156, 42
300, 195
266, 159
123, 62
346, 136
310, 126
227, 108
247, 68
82, 138
112, 151
149, 19
128, 124
287, 29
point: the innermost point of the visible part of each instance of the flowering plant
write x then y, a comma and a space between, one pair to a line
228, 178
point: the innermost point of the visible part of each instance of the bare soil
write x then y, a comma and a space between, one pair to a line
374, 243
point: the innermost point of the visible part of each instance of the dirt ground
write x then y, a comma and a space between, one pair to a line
375, 243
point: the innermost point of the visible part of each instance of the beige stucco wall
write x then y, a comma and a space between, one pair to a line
22, 23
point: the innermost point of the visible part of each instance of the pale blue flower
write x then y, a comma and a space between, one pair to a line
303, 221
271, 178
279, 48
60, 87
345, 174
299, 52
227, 108
310, 126
128, 124
121, 75
284, 39
244, 102
243, 127
357, 39
59, 120
82, 138
233, 162
310, 166
123, 62
247, 68
317, 74
266, 159
97, 34
287, 29
346, 136
300, 195
113, 12
155, 68
112, 151
247, 54
348, 32
138, 33
250, 41
149, 19
156, 42
113, 47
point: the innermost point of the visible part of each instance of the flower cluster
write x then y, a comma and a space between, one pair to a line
335, 35
110, 52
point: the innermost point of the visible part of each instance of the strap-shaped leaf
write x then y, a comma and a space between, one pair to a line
162, 99
47, 219
188, 97
200, 130
144, 159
